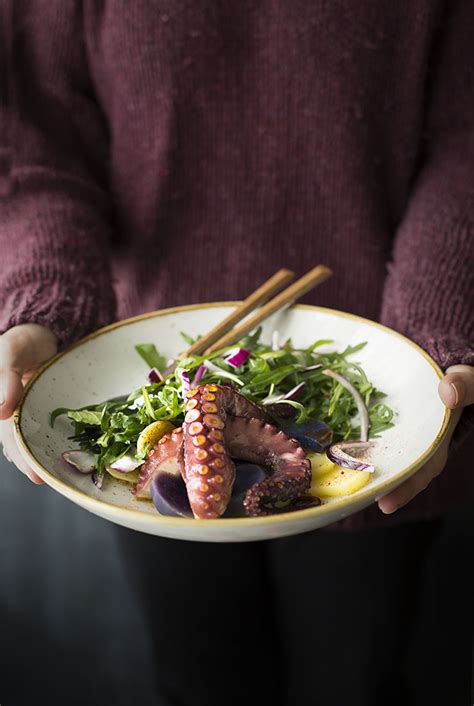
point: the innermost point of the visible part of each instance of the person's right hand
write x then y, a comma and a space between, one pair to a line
22, 349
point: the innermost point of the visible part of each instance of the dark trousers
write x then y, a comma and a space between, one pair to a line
326, 618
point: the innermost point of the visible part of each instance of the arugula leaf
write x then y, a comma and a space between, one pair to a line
187, 338
151, 356
57, 413
86, 416
148, 405
321, 342
302, 415
251, 340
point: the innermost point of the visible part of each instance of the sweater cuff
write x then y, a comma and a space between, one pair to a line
445, 350
451, 351
70, 313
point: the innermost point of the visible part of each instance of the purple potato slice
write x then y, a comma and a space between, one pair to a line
313, 435
169, 495
246, 475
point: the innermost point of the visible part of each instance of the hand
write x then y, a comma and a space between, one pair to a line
22, 349
456, 390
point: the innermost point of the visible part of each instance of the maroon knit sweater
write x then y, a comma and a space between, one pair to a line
164, 152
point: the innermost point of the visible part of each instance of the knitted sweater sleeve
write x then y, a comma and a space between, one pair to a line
55, 213
429, 293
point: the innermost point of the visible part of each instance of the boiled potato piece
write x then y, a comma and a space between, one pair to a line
320, 464
339, 482
129, 477
153, 433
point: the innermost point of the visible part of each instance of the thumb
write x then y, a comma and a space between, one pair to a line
456, 389
22, 348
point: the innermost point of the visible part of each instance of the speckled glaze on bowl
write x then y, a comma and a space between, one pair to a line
105, 364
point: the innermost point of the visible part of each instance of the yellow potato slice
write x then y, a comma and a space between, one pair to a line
153, 433
320, 464
129, 477
339, 482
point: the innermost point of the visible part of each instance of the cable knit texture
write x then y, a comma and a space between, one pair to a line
162, 153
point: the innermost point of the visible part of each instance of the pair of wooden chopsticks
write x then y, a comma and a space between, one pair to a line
225, 333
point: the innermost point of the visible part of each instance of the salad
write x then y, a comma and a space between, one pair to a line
263, 413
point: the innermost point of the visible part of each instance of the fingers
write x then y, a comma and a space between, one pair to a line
421, 479
11, 391
22, 348
456, 389
12, 453
416, 484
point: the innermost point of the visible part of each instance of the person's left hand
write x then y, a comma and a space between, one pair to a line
456, 390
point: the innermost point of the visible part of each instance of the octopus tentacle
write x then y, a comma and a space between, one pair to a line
255, 440
165, 456
232, 403
209, 472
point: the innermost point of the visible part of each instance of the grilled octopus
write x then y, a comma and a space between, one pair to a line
219, 424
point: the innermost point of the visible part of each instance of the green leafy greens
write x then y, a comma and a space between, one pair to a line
150, 355
111, 429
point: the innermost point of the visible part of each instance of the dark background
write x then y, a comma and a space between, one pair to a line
70, 630
72, 633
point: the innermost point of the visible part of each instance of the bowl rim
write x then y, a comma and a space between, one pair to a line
100, 506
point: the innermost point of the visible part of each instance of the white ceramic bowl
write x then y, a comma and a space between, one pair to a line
105, 365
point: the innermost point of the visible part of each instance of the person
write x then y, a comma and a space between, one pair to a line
156, 154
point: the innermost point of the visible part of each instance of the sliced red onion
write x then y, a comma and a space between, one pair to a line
361, 408
120, 475
294, 391
238, 357
126, 463
139, 402
213, 368
199, 373
275, 341
287, 396
154, 376
341, 457
185, 383
98, 479
83, 461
